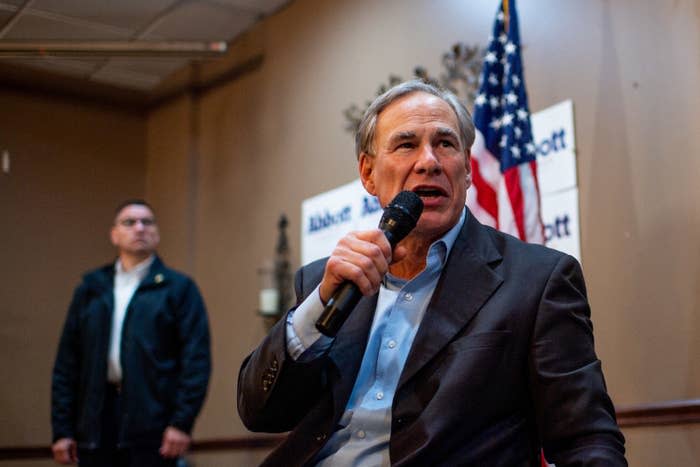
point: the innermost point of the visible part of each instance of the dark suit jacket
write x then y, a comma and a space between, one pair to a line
502, 365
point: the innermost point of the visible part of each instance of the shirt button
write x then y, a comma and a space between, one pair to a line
391, 344
380, 395
361, 434
408, 297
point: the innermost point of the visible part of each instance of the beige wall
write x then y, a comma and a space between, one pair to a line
220, 168
71, 164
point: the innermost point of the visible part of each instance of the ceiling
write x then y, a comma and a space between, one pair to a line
89, 21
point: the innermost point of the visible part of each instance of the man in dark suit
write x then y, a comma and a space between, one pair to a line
469, 346
133, 362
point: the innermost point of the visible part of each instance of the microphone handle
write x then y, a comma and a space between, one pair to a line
338, 308
345, 298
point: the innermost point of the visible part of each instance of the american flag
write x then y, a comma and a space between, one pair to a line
504, 193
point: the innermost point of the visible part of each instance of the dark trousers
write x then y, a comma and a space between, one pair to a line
109, 455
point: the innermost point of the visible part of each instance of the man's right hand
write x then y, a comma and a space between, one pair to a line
65, 451
359, 257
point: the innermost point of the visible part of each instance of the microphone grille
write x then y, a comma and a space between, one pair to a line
401, 216
409, 202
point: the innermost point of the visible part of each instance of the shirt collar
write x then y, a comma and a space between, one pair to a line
445, 243
440, 248
140, 270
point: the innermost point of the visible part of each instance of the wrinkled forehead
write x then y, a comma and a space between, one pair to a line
415, 112
134, 211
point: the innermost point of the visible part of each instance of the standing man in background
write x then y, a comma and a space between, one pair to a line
469, 346
133, 362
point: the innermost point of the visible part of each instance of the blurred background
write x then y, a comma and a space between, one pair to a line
222, 142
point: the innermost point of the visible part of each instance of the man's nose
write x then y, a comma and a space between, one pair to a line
428, 161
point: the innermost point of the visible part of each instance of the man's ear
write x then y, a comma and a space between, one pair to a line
367, 173
113, 235
468, 166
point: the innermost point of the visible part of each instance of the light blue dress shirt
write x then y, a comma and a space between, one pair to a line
363, 439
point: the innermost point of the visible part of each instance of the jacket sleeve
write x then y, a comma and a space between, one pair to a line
274, 391
195, 358
66, 371
575, 416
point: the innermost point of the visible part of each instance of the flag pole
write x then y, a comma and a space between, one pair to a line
506, 15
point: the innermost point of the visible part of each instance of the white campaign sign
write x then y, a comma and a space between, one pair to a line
553, 131
561, 225
326, 217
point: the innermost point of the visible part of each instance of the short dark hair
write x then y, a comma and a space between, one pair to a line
364, 138
131, 202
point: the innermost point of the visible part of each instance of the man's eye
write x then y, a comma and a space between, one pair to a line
446, 143
405, 146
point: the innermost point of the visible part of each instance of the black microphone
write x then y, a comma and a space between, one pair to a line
399, 218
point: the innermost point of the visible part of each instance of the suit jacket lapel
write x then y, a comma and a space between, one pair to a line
466, 283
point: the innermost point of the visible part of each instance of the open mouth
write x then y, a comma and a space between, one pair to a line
429, 192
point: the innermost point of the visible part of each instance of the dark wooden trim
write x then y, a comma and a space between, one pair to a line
681, 412
233, 444
205, 445
28, 452
659, 414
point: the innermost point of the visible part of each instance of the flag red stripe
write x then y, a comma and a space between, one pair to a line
543, 461
515, 194
485, 195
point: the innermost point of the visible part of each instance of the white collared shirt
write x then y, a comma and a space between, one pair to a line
125, 285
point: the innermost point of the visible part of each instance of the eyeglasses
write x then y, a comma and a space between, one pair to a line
145, 221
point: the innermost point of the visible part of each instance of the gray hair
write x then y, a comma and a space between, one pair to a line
364, 138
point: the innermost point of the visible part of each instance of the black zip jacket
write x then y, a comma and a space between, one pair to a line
165, 358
